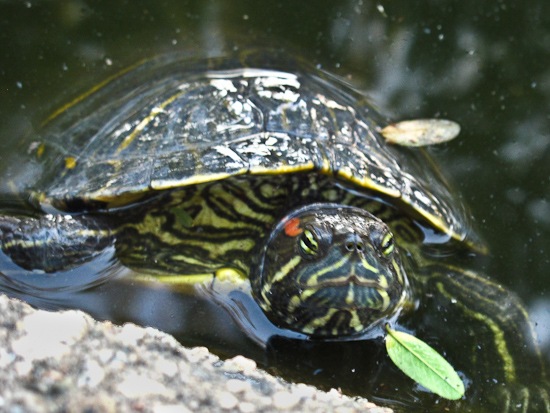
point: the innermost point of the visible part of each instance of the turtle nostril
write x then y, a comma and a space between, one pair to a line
355, 245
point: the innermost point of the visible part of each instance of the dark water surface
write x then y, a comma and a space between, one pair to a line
485, 65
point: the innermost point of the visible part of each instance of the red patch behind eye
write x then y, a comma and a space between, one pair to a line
292, 227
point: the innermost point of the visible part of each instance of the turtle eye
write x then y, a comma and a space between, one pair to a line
308, 243
387, 245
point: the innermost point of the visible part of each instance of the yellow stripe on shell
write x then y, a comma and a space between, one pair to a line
364, 182
282, 169
325, 168
255, 170
434, 220
157, 109
193, 180
89, 92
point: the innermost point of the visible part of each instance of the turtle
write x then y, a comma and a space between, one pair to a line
265, 170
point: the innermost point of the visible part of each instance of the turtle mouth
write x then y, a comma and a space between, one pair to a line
352, 294
346, 281
340, 308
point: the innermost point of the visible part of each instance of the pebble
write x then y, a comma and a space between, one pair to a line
237, 386
92, 375
333, 395
99, 402
166, 367
304, 391
341, 409
171, 408
240, 364
130, 334
23, 367
6, 358
119, 360
227, 400
136, 385
284, 400
105, 355
246, 407
55, 334
197, 354
185, 371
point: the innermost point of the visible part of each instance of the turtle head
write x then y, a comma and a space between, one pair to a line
329, 270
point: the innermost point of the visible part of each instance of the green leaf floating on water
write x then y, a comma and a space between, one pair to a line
423, 364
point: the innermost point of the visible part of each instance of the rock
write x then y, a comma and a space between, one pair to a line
68, 362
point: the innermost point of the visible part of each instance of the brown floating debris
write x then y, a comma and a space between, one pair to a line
421, 132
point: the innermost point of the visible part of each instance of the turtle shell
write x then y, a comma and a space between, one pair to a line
175, 121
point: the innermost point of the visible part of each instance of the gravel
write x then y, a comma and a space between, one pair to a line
68, 362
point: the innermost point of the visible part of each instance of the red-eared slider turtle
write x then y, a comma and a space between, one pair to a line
277, 174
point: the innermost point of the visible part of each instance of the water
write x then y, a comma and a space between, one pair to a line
484, 65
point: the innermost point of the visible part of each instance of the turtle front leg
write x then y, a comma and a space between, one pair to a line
504, 361
52, 243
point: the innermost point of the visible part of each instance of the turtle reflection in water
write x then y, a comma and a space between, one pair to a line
277, 174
